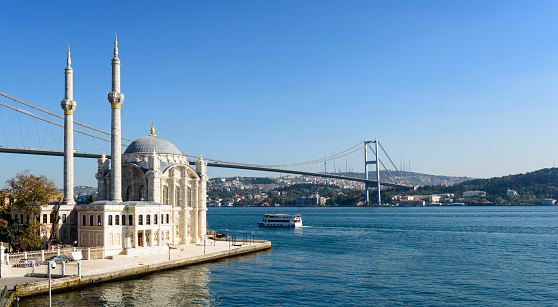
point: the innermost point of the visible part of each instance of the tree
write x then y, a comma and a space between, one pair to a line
29, 193
91, 198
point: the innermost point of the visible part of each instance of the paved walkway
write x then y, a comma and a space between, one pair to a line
90, 267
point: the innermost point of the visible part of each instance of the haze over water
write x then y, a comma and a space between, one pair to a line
433, 256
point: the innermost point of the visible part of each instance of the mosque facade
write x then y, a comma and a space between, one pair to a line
149, 198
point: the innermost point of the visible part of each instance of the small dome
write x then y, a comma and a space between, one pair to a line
146, 145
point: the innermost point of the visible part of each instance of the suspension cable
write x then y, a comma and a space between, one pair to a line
401, 175
53, 122
57, 115
385, 168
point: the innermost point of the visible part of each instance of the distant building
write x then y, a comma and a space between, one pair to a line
315, 200
474, 194
511, 193
548, 202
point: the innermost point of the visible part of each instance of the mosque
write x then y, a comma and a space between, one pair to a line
149, 196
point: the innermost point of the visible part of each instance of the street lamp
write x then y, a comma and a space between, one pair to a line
51, 264
168, 244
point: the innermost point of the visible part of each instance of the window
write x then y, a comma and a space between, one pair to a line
140, 219
177, 198
21, 218
110, 220
83, 222
167, 218
123, 220
165, 195
98, 220
91, 221
130, 220
64, 218
15, 217
142, 193
147, 219
45, 218
117, 220
155, 219
162, 219
129, 193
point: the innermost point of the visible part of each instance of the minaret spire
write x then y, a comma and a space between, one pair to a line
69, 105
115, 46
116, 99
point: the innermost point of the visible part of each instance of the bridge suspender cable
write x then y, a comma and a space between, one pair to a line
57, 115
52, 122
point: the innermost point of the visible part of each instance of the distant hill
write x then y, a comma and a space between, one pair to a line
534, 185
415, 179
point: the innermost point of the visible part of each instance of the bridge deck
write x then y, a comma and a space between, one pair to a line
31, 151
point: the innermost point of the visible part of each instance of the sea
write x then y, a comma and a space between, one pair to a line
361, 256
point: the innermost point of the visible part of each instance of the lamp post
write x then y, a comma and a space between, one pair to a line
168, 244
51, 264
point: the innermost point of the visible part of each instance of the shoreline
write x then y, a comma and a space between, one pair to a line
108, 270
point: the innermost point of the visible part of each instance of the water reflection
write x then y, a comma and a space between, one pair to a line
181, 287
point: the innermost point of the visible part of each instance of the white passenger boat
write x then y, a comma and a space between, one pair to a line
281, 220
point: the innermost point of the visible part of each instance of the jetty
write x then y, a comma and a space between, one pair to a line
23, 282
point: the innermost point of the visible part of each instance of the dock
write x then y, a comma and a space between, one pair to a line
22, 284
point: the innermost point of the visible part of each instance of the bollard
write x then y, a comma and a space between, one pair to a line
63, 269
25, 254
89, 253
42, 255
58, 252
33, 264
79, 270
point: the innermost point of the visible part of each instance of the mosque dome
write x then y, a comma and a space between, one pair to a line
148, 143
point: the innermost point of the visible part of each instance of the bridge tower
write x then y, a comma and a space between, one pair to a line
116, 99
69, 105
366, 163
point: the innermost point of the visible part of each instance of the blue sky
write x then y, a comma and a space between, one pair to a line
463, 88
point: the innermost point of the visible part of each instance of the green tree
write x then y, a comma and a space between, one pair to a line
90, 198
29, 193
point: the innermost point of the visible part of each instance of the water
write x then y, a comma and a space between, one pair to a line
433, 256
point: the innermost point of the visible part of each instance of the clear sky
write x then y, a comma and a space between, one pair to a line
462, 88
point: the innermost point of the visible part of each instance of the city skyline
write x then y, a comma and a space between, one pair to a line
458, 89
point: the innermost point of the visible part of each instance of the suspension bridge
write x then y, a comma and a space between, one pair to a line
346, 164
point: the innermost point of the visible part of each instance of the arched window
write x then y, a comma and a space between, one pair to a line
110, 220
129, 193
140, 219
147, 219
123, 219
117, 220
98, 220
167, 218
130, 220
177, 197
90, 220
142, 193
162, 219
84, 221
165, 195
155, 219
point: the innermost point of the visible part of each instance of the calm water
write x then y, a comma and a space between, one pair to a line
476, 256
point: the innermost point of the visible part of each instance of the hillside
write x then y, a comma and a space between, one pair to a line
415, 179
534, 185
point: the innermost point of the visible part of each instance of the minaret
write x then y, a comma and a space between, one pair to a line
116, 98
68, 105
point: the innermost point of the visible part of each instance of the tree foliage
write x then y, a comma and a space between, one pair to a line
29, 193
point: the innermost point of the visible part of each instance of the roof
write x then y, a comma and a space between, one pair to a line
149, 143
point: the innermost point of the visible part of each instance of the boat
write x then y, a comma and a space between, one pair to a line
281, 220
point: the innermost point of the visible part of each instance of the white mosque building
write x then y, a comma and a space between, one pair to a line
149, 197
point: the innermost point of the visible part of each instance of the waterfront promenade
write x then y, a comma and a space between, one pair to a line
105, 270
